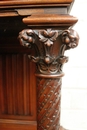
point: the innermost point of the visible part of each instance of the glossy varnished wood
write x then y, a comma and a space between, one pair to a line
6, 124
49, 46
17, 97
15, 73
30, 95
34, 2
12, 4
50, 19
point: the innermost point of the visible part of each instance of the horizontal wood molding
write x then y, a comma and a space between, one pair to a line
8, 13
17, 124
34, 2
48, 19
4, 4
31, 11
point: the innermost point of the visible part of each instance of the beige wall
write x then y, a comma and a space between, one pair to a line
74, 88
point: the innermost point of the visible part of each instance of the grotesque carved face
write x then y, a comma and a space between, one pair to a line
70, 38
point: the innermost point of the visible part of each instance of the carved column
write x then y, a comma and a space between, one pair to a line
49, 45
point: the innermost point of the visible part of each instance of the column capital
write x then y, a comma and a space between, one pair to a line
49, 45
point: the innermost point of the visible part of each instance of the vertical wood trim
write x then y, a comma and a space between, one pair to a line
5, 109
32, 88
26, 84
14, 83
20, 84
1, 90
9, 83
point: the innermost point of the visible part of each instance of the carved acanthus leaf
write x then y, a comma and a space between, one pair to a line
44, 41
48, 36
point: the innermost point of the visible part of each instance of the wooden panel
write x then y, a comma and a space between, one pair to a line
17, 91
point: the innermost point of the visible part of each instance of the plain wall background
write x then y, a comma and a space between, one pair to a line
74, 87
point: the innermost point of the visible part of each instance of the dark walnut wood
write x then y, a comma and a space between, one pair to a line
50, 20
49, 60
49, 46
16, 5
17, 93
33, 2
30, 92
48, 103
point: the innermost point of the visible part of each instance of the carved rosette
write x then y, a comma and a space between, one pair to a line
49, 46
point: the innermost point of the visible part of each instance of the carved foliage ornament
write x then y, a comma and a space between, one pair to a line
43, 41
48, 36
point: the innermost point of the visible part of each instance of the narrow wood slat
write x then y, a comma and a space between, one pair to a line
9, 83
32, 89
5, 102
1, 89
14, 83
26, 84
20, 84
32, 6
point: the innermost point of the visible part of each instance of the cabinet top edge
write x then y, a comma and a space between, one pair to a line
33, 2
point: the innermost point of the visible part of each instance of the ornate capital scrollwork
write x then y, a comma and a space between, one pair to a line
45, 43
27, 38
70, 38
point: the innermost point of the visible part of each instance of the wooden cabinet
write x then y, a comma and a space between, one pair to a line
38, 31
